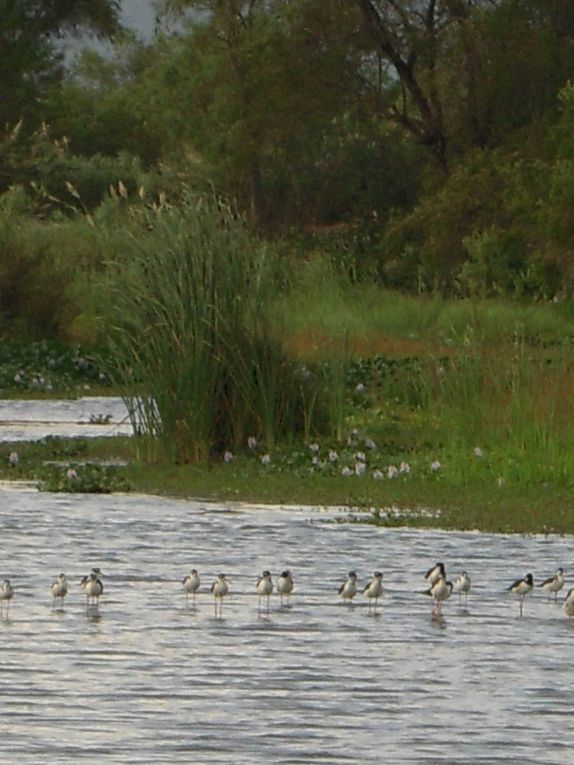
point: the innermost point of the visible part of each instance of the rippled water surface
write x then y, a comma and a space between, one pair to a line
148, 679
30, 420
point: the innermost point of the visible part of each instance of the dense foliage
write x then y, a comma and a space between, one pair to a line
425, 145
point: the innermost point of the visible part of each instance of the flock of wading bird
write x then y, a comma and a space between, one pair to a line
439, 589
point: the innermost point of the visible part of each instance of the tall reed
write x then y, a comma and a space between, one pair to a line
192, 339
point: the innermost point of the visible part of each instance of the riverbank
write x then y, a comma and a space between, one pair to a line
422, 493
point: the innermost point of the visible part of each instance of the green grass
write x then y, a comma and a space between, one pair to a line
449, 498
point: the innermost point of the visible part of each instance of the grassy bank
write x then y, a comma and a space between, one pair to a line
460, 412
424, 497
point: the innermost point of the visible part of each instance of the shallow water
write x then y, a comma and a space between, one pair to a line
146, 678
31, 420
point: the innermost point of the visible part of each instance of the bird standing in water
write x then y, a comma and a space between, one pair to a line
59, 589
374, 589
522, 587
219, 588
285, 586
553, 584
191, 585
6, 595
264, 588
462, 586
348, 589
439, 592
93, 588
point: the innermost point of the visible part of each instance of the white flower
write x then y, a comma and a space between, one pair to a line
392, 471
404, 467
316, 460
228, 456
435, 466
500, 482
478, 451
17, 378
346, 471
359, 387
265, 459
333, 456
378, 475
314, 448
370, 444
71, 474
360, 468
252, 442
14, 458
361, 456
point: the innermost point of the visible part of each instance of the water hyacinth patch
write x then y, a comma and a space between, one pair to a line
48, 366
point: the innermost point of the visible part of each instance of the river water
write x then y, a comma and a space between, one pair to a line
31, 420
146, 678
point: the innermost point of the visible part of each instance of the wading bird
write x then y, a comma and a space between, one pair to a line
219, 588
435, 573
553, 584
348, 589
285, 586
59, 589
264, 588
6, 595
191, 585
374, 589
462, 586
93, 588
569, 602
440, 591
522, 587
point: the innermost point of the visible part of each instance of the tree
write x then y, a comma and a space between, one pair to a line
30, 61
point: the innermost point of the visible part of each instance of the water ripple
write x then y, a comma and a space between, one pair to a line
148, 679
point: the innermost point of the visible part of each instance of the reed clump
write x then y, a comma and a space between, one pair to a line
191, 341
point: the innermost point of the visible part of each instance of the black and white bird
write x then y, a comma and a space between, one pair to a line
569, 602
522, 587
553, 584
348, 589
6, 595
435, 573
59, 589
264, 588
191, 584
440, 591
219, 588
462, 585
285, 586
374, 589
93, 587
